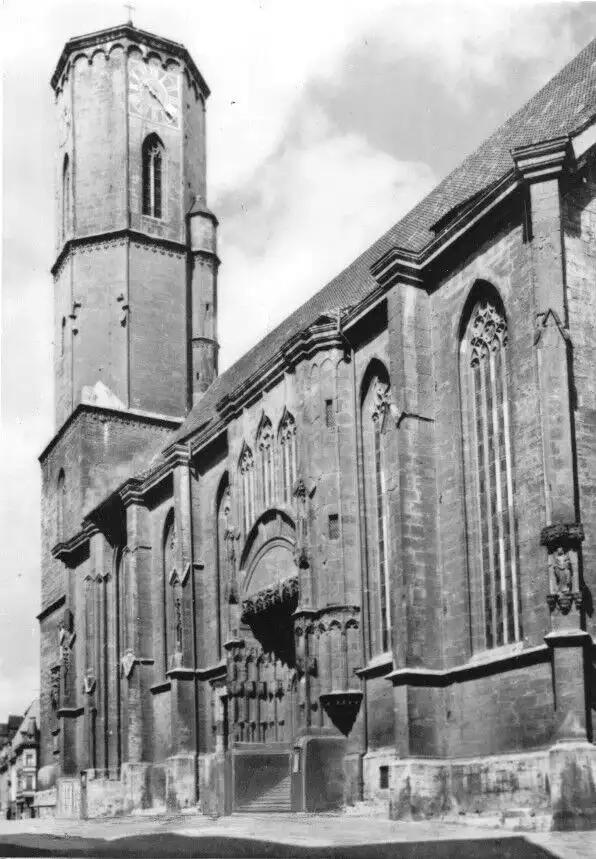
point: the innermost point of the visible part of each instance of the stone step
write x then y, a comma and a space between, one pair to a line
276, 799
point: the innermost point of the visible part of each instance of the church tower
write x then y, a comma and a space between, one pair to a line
135, 273
135, 310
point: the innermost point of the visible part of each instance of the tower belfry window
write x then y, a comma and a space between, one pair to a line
153, 153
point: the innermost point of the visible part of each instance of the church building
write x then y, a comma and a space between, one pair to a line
359, 566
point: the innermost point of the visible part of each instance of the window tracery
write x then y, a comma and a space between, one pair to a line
287, 442
265, 448
376, 404
173, 595
247, 476
494, 574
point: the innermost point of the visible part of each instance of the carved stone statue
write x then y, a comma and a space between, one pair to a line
563, 542
563, 570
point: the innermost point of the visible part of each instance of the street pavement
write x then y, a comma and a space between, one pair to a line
284, 835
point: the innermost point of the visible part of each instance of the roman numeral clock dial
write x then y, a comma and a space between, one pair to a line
154, 94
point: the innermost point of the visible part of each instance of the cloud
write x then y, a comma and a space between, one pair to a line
320, 203
278, 50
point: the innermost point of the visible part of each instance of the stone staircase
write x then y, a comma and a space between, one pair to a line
276, 799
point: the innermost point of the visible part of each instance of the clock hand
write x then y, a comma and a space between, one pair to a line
156, 96
153, 93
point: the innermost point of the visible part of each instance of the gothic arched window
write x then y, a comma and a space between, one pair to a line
226, 554
153, 156
375, 407
492, 551
65, 197
287, 444
265, 448
246, 467
172, 594
122, 602
61, 504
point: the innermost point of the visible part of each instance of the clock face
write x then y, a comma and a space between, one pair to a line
154, 93
63, 125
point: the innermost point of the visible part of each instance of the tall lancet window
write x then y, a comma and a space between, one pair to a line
172, 595
287, 444
375, 407
61, 504
492, 551
246, 466
265, 448
153, 156
226, 556
65, 197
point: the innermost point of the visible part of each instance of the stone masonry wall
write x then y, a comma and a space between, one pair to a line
503, 260
579, 221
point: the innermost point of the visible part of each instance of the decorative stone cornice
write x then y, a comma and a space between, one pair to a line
544, 160
532, 163
131, 492
168, 422
96, 241
399, 265
127, 36
495, 664
66, 549
323, 334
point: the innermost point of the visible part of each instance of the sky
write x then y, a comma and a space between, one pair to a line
328, 121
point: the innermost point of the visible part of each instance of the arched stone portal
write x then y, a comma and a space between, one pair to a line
262, 682
264, 698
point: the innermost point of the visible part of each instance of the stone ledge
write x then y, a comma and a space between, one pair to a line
472, 670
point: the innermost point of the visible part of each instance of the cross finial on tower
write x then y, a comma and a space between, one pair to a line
131, 9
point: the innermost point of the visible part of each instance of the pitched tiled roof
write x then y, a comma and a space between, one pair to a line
564, 106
